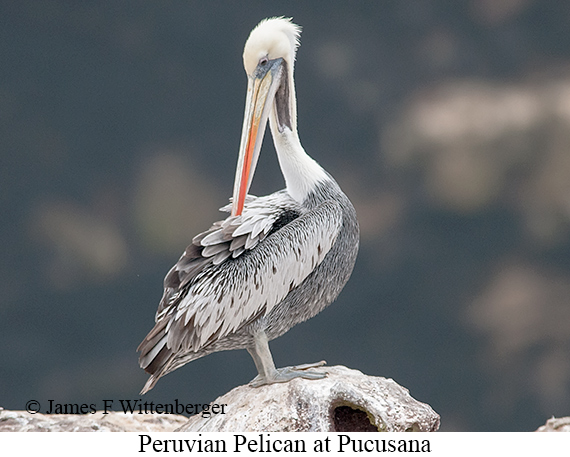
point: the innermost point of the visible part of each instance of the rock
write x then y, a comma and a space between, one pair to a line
22, 421
346, 400
561, 424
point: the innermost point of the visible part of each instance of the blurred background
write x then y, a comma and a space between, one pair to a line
447, 124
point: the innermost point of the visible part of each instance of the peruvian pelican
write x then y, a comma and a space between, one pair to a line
276, 260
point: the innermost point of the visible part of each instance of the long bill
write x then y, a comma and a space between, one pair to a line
261, 88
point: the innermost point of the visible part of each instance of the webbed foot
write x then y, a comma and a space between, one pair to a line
287, 373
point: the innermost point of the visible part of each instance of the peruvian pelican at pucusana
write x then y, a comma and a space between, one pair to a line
276, 260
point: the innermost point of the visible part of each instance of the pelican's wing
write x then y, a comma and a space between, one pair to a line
224, 240
224, 295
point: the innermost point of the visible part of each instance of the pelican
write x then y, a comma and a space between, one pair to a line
277, 260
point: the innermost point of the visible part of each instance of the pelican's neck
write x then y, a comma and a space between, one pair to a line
301, 172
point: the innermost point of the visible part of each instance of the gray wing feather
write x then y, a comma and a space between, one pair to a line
221, 241
238, 270
223, 299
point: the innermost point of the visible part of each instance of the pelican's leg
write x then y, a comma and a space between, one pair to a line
262, 357
268, 374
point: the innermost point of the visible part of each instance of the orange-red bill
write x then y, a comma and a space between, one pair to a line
244, 183
255, 119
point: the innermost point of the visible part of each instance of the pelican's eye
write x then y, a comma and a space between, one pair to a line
263, 61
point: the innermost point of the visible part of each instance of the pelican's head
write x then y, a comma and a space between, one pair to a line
275, 38
268, 58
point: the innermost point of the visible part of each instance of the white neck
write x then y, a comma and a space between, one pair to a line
301, 172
